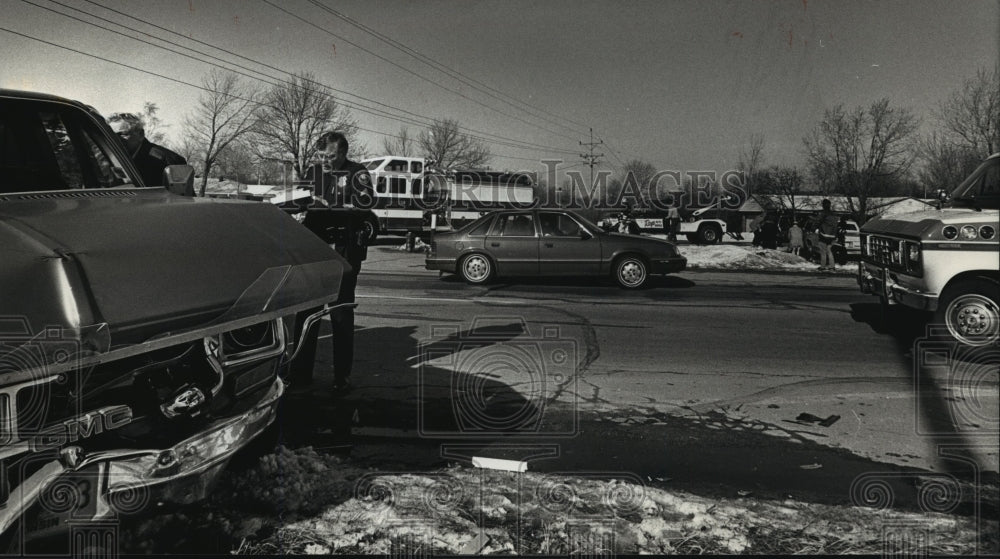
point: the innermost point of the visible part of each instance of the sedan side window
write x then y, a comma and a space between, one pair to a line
517, 225
558, 225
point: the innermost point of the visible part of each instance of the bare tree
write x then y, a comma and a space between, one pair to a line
401, 144
224, 113
190, 150
945, 164
237, 162
969, 132
858, 153
449, 147
785, 183
151, 123
636, 178
751, 161
293, 116
971, 116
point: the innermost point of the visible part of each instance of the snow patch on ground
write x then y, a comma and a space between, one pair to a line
303, 502
741, 257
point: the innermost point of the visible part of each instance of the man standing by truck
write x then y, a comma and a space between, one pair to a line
339, 183
151, 159
827, 230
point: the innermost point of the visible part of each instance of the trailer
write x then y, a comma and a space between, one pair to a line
412, 196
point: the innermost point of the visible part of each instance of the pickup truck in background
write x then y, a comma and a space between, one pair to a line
143, 334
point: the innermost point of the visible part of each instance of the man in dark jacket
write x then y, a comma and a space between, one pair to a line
151, 159
338, 183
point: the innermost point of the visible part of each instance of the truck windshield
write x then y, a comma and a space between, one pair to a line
982, 188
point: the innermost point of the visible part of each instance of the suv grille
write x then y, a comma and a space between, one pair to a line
885, 252
898, 255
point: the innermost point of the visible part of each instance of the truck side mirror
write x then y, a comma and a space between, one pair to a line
179, 179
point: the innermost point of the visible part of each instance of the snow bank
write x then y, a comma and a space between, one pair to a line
740, 257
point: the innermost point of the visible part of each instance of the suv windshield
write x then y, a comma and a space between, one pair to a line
982, 188
45, 146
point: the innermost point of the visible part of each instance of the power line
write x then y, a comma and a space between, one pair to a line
591, 158
179, 81
409, 71
500, 140
450, 72
254, 61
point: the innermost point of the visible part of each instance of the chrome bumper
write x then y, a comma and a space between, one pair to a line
130, 480
879, 281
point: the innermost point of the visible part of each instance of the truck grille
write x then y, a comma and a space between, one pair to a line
885, 252
898, 255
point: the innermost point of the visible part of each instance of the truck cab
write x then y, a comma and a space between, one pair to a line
945, 261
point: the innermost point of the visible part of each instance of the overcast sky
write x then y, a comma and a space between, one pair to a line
681, 84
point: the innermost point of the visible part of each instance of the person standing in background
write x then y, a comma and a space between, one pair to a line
827, 232
795, 238
151, 159
339, 183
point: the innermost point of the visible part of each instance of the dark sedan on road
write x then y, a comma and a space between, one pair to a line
549, 243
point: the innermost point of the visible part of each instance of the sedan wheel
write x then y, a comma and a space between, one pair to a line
476, 269
630, 272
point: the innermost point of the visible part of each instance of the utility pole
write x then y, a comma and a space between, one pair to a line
592, 157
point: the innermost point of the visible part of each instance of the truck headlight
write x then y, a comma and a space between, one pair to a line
969, 233
912, 252
950, 232
987, 232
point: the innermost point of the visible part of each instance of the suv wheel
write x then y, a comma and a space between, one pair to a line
969, 310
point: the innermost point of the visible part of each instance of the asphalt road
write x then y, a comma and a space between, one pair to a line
699, 381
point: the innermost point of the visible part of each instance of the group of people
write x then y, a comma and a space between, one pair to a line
339, 182
830, 230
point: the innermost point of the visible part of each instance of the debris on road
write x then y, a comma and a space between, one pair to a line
810, 418
500, 464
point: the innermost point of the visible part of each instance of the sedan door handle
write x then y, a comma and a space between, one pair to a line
494, 244
549, 245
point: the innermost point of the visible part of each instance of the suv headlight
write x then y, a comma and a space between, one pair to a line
912, 252
969, 233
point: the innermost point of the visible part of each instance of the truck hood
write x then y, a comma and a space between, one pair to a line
921, 224
122, 267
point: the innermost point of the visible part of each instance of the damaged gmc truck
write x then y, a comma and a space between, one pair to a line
143, 334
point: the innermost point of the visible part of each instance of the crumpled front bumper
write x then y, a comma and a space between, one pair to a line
876, 280
131, 480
